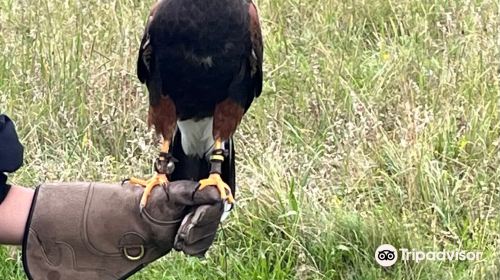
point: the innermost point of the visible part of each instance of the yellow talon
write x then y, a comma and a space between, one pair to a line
216, 181
157, 180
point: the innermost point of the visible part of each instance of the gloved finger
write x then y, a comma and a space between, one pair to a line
194, 239
187, 193
198, 229
200, 223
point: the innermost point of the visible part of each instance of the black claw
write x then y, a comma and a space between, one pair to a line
195, 190
166, 193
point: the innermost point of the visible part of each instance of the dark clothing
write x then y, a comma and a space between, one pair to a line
11, 153
4, 188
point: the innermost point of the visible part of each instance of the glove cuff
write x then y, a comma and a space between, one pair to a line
26, 235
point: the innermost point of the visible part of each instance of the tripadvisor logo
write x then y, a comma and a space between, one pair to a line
386, 255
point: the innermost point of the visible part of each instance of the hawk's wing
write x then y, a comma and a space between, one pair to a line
257, 56
145, 50
145, 64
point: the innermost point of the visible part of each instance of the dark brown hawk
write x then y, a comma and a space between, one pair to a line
202, 64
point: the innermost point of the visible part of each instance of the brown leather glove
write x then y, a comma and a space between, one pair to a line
96, 231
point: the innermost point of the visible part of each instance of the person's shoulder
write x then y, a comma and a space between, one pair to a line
4, 121
11, 150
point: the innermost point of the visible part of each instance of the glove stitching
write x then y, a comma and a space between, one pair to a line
160, 222
85, 234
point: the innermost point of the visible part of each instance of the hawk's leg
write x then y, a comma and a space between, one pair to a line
214, 179
163, 116
227, 116
164, 166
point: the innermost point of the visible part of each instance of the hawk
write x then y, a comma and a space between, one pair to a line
202, 64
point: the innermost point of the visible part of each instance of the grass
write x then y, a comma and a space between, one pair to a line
379, 123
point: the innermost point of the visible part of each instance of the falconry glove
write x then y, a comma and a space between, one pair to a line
95, 231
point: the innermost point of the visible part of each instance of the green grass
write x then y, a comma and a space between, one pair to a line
379, 123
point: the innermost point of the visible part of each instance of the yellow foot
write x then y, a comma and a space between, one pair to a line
157, 180
216, 181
